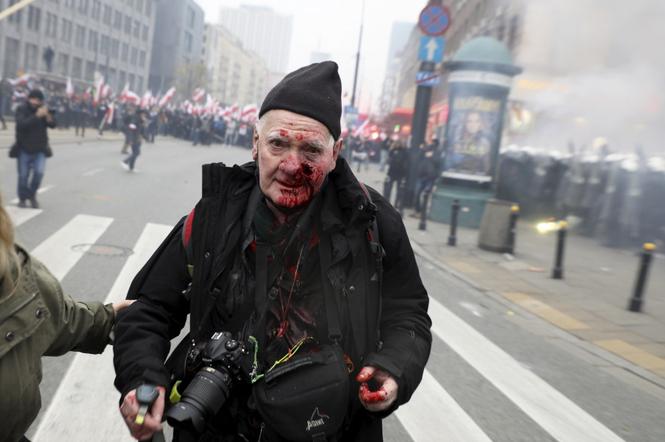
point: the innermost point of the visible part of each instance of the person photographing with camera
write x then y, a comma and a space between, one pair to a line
32, 148
308, 317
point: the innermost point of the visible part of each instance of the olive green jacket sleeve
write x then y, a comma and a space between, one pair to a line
77, 326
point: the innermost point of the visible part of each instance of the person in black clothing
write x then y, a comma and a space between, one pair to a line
282, 250
32, 146
429, 168
398, 170
2, 103
134, 124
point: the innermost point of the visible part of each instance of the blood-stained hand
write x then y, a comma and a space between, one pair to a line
153, 419
384, 396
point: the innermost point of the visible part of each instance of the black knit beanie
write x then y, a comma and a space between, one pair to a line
314, 91
36, 93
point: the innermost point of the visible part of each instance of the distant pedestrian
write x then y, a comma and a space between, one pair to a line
398, 170
3, 96
134, 133
32, 146
429, 168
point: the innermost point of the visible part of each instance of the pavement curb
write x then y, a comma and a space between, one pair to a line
587, 346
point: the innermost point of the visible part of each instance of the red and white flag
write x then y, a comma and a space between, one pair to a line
198, 95
361, 128
168, 96
97, 94
23, 80
249, 113
147, 98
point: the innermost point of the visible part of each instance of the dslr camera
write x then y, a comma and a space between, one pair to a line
216, 366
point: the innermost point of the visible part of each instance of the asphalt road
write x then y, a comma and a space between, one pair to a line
495, 373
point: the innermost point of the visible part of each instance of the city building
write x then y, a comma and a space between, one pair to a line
235, 75
177, 46
501, 19
57, 39
263, 31
399, 36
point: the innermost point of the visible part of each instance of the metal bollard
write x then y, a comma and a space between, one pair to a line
635, 304
452, 238
423, 211
512, 228
557, 271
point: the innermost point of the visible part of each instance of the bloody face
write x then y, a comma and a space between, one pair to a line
295, 153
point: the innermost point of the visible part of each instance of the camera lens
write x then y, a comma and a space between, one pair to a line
201, 400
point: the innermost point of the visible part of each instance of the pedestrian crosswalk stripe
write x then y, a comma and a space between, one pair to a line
432, 412
555, 413
85, 405
57, 252
20, 216
39, 191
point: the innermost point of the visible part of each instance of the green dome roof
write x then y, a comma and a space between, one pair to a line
484, 50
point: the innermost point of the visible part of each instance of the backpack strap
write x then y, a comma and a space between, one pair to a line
187, 241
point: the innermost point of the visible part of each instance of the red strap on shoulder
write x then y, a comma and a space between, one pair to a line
187, 231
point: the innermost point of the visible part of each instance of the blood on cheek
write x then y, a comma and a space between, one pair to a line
306, 180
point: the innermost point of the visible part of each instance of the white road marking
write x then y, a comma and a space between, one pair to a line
432, 413
554, 412
92, 172
85, 405
19, 216
56, 252
39, 191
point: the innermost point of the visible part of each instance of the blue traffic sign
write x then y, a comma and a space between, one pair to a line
434, 20
431, 49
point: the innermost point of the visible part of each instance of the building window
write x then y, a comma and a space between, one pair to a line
125, 52
77, 67
70, 3
66, 30
512, 33
80, 37
34, 18
144, 33
188, 42
83, 7
96, 9
51, 25
105, 46
10, 65
115, 48
117, 20
139, 83
30, 57
148, 8
63, 64
191, 16
137, 29
128, 25
122, 79
131, 81
15, 17
108, 12
134, 56
93, 40
90, 71
142, 59
139, 5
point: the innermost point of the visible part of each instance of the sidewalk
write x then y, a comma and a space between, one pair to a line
61, 136
590, 303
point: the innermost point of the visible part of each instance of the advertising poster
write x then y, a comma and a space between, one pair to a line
472, 136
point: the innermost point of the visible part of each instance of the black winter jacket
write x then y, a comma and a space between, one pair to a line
31, 136
398, 341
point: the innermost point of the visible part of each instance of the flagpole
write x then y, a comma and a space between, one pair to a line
360, 39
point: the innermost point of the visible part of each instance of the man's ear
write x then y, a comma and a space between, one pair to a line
255, 145
337, 148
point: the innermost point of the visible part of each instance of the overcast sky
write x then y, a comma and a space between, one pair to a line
332, 26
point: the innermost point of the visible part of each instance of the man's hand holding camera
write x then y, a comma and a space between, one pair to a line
43, 112
152, 421
384, 396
